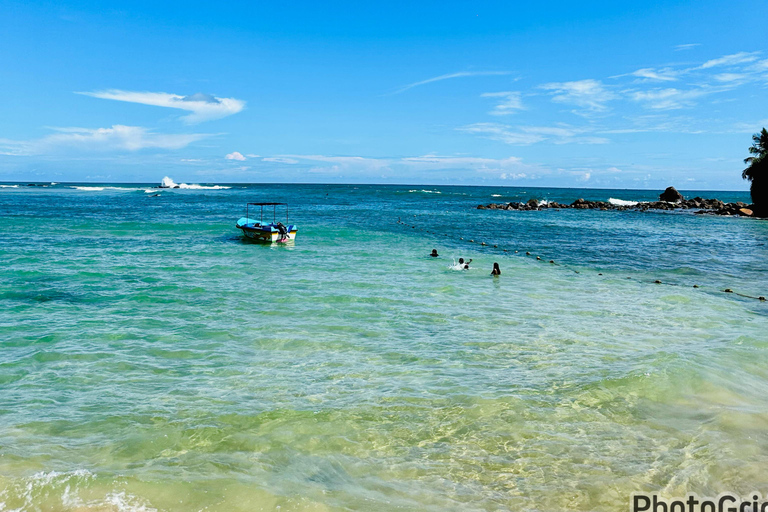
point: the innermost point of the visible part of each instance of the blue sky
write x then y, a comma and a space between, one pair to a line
587, 94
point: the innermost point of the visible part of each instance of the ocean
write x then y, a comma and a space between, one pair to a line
153, 360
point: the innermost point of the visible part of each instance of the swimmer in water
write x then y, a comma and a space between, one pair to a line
465, 266
496, 270
434, 253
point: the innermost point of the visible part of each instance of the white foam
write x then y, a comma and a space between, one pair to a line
9, 186
621, 202
203, 187
495, 195
169, 183
543, 202
46, 486
458, 266
97, 189
426, 191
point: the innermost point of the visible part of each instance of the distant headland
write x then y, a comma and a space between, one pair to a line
670, 199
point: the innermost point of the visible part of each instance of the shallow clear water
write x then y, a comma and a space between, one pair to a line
150, 359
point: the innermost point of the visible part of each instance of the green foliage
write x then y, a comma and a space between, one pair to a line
757, 170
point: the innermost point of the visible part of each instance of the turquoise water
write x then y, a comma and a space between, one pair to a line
150, 359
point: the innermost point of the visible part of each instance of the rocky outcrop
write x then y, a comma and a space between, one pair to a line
702, 206
671, 195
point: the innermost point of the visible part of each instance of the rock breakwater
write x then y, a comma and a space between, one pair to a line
701, 205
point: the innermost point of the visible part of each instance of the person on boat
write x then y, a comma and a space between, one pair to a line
434, 253
282, 230
496, 270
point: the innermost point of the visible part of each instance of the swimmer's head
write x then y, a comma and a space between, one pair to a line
434, 252
461, 260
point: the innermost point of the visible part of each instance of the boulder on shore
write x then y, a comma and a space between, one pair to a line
671, 195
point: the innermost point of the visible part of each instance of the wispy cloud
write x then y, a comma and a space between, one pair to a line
590, 94
235, 155
280, 160
527, 135
687, 46
461, 161
502, 133
731, 60
117, 137
460, 74
759, 67
662, 75
340, 163
203, 107
671, 99
510, 102
731, 77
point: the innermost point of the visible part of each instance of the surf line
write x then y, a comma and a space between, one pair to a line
761, 298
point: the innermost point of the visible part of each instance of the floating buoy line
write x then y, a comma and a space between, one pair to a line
761, 298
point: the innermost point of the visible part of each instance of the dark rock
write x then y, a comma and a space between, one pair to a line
671, 195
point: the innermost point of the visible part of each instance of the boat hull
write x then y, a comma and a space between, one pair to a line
256, 231
267, 236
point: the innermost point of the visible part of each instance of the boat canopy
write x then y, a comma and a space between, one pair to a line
274, 210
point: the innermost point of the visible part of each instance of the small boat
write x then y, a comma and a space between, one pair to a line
266, 231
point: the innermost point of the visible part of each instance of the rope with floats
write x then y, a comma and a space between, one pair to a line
760, 298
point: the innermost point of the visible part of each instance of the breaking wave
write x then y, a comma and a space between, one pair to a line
169, 183
96, 189
9, 186
622, 202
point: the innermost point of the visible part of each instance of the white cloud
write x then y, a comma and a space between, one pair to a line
589, 94
235, 155
687, 46
204, 107
670, 99
731, 60
730, 77
514, 176
280, 160
460, 74
118, 137
510, 102
527, 135
344, 162
443, 162
663, 75
502, 133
